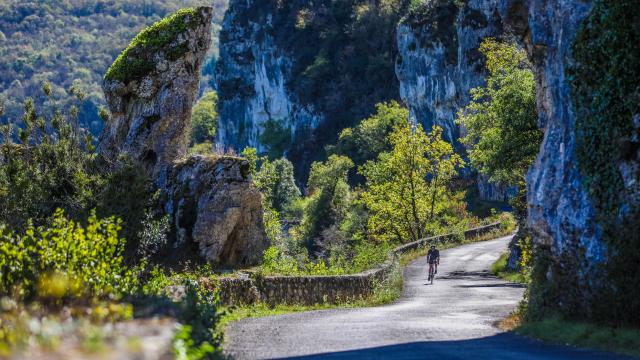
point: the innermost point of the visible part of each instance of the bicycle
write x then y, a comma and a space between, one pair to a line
431, 272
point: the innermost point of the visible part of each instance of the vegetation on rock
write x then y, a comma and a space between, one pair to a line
605, 80
132, 64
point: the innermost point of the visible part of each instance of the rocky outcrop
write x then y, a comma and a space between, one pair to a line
561, 215
212, 203
439, 60
150, 89
252, 78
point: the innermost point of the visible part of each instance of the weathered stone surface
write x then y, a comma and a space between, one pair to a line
151, 116
561, 215
213, 203
440, 62
252, 76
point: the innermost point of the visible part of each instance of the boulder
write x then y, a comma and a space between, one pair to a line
213, 203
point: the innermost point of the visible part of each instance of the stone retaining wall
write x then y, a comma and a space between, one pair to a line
310, 290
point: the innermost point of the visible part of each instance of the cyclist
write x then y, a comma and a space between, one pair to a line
433, 258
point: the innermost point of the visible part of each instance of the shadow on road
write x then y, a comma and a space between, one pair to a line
501, 346
509, 285
459, 275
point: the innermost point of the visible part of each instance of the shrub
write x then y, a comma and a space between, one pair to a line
65, 259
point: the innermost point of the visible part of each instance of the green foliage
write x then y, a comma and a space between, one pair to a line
503, 138
66, 259
276, 183
406, 189
88, 35
53, 165
130, 65
605, 79
276, 137
251, 154
49, 167
329, 197
371, 136
204, 119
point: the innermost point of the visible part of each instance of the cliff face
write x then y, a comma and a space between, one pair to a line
561, 215
582, 190
439, 59
252, 77
307, 69
439, 63
150, 89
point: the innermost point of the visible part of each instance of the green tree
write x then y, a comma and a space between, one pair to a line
329, 197
204, 119
276, 137
371, 136
503, 136
406, 188
277, 184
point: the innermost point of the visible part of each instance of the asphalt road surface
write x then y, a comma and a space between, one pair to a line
452, 319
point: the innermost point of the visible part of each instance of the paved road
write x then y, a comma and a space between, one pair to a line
452, 319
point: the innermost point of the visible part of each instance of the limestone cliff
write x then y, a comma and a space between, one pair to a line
582, 190
150, 90
253, 75
306, 68
439, 63
439, 59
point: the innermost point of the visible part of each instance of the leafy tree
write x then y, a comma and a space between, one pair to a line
276, 137
406, 188
50, 166
329, 197
503, 136
371, 136
204, 119
275, 181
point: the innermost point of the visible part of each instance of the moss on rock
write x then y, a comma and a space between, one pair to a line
135, 61
606, 96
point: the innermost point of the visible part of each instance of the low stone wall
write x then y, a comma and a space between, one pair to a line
311, 290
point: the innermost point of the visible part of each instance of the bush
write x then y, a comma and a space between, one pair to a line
65, 260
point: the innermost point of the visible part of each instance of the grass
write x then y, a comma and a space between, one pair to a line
581, 334
499, 269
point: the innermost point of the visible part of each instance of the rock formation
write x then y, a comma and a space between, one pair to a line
561, 215
439, 60
583, 192
213, 203
439, 63
150, 90
252, 76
